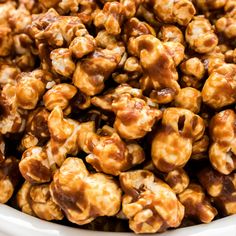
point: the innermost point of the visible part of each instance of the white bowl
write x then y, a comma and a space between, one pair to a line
16, 223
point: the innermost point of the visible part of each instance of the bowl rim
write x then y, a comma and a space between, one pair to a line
27, 223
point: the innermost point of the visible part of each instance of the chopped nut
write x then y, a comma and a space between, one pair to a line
150, 205
91, 195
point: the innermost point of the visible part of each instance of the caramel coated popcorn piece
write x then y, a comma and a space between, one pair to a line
2, 149
91, 195
9, 177
59, 95
92, 71
62, 62
171, 33
196, 204
34, 165
200, 35
178, 180
219, 88
221, 188
189, 98
36, 200
150, 205
207, 5
111, 17
108, 153
222, 151
173, 142
177, 11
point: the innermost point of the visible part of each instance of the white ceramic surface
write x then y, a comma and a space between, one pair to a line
15, 223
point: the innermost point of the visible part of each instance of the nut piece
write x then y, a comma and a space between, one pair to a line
36, 200
111, 17
92, 71
178, 11
200, 35
171, 33
190, 99
62, 62
34, 166
219, 89
221, 188
173, 142
150, 205
109, 153
178, 180
84, 196
59, 95
197, 205
223, 149
9, 177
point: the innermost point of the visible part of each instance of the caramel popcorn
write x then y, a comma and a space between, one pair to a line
36, 200
196, 204
173, 142
34, 165
221, 188
178, 11
150, 205
9, 177
97, 96
91, 195
59, 95
219, 88
178, 180
200, 35
222, 150
189, 98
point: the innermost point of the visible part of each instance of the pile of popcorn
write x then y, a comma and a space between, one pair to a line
123, 109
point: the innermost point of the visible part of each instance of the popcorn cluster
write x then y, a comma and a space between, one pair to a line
119, 108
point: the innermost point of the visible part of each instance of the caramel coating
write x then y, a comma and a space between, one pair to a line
134, 117
206, 5
108, 153
82, 45
89, 195
196, 204
34, 166
63, 137
178, 180
157, 63
110, 17
150, 205
180, 11
2, 149
92, 71
219, 88
30, 87
62, 62
180, 129
59, 95
190, 99
222, 151
36, 200
171, 33
200, 35
9, 177
221, 188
